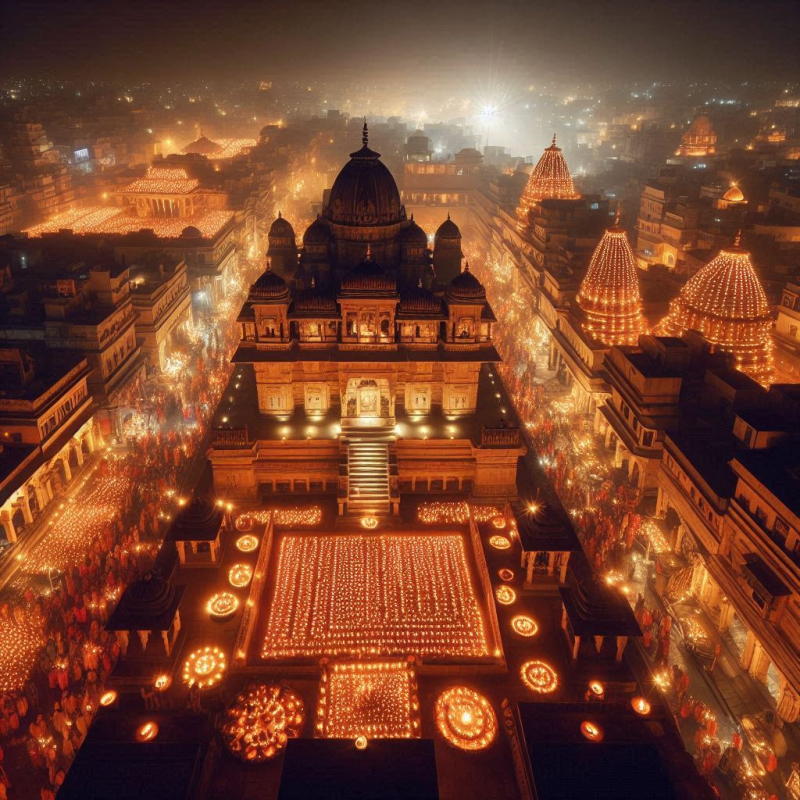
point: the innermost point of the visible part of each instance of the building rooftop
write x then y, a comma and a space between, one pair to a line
778, 469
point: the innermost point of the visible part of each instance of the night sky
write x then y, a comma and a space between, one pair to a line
561, 40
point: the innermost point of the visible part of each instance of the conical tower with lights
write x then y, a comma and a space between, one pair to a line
726, 302
609, 295
550, 179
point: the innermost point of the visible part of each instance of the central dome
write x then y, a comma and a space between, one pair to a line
364, 192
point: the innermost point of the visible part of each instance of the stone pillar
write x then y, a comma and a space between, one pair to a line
748, 651
760, 664
563, 569
144, 636
622, 642
726, 612
551, 557
79, 454
788, 702
41, 495
181, 551
608, 437
25, 504
165, 639
529, 571
67, 470
123, 639
598, 643
8, 525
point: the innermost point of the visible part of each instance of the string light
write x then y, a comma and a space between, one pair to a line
539, 677
240, 575
609, 294
726, 302
377, 700
373, 595
550, 179
222, 605
524, 626
261, 720
204, 667
465, 718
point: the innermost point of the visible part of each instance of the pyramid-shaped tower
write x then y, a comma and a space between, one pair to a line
726, 302
609, 295
550, 179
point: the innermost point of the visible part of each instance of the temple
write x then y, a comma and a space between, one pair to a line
700, 139
726, 302
366, 372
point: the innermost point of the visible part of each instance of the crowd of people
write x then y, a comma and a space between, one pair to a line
44, 722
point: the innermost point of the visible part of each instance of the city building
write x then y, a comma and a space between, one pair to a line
699, 140
163, 305
46, 429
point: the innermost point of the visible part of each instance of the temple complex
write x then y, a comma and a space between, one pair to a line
726, 302
699, 140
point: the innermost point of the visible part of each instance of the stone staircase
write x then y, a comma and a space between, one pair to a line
368, 476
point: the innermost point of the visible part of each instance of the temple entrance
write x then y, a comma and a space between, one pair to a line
369, 401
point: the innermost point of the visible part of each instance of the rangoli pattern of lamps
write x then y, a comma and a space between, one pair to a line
240, 575
222, 605
499, 522
523, 625
204, 667
726, 302
373, 595
539, 677
247, 543
609, 294
505, 595
499, 542
591, 731
506, 574
260, 721
244, 522
369, 522
374, 699
465, 718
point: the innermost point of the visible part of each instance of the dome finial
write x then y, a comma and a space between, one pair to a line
554, 140
365, 134
448, 215
369, 252
269, 265
419, 283
617, 215
313, 282
280, 216
466, 266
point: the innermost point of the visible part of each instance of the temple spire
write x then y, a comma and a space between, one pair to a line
365, 134
554, 141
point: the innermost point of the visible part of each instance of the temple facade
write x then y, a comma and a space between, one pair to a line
366, 371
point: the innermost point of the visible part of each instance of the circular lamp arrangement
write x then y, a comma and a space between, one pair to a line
261, 720
505, 595
247, 543
506, 574
499, 542
222, 605
524, 626
465, 718
204, 667
539, 677
240, 575
244, 522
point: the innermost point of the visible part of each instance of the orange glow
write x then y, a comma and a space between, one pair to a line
465, 719
592, 731
505, 595
499, 542
147, 732
107, 698
247, 543
524, 626
597, 689
539, 677
641, 706
240, 575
